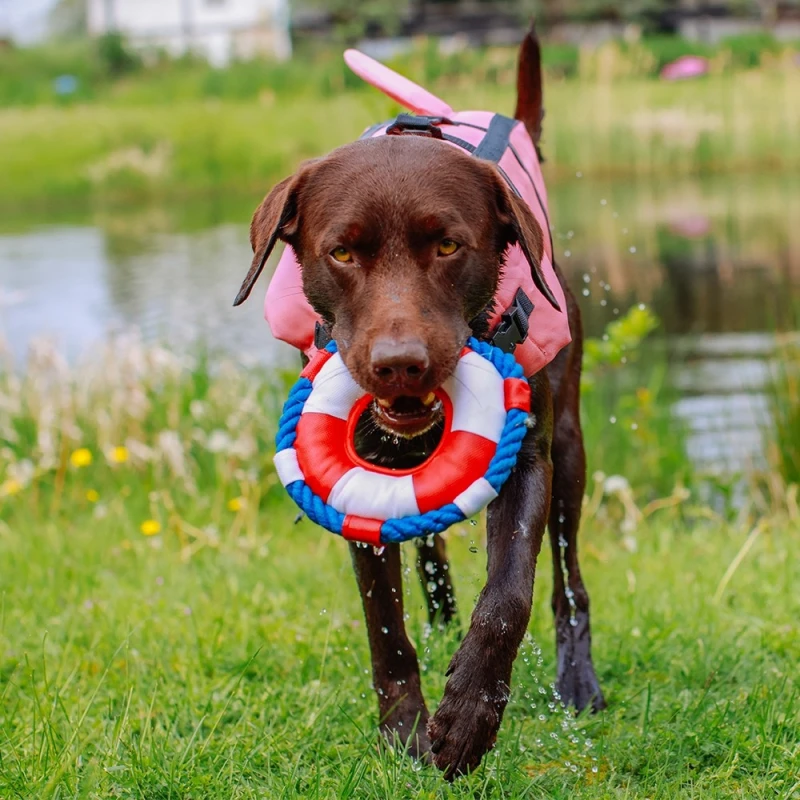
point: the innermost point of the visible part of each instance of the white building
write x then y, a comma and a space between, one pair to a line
220, 30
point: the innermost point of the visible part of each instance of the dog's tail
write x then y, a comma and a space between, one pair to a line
530, 110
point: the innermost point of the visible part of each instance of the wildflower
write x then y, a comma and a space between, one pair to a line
139, 451
119, 455
81, 457
21, 472
219, 442
616, 484
150, 527
170, 447
236, 504
10, 487
92, 495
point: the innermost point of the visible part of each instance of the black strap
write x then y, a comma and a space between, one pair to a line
508, 180
417, 124
322, 336
495, 143
470, 148
514, 323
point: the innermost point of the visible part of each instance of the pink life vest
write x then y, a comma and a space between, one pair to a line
523, 321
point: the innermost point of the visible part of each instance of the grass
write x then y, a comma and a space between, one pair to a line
106, 70
784, 396
108, 152
242, 671
166, 631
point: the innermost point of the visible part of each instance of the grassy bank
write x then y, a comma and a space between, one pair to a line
167, 631
108, 71
107, 152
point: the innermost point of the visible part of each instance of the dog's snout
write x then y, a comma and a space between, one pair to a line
399, 363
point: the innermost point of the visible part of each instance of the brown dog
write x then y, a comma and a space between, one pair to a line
401, 243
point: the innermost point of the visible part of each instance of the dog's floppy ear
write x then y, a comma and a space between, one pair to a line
525, 231
276, 218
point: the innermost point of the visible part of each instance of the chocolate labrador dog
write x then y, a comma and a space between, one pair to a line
401, 241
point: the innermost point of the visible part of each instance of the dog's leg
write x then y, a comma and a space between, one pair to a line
465, 725
434, 572
576, 682
395, 669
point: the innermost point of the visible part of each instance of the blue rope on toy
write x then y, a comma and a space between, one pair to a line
402, 529
293, 408
317, 510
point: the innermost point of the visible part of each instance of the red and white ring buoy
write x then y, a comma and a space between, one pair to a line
476, 400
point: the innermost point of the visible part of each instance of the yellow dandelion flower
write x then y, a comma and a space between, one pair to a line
150, 527
236, 504
10, 487
92, 495
81, 457
119, 455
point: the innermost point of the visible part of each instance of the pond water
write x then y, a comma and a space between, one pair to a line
717, 259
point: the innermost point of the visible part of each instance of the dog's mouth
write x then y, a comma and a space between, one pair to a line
407, 416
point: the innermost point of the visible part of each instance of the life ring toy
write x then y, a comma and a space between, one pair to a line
486, 407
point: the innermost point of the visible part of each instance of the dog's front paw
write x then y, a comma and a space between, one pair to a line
465, 726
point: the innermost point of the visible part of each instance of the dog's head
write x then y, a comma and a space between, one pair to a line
401, 242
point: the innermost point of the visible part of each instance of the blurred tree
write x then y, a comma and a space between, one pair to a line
353, 20
68, 19
115, 55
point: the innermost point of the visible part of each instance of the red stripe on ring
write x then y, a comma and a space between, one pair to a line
361, 529
517, 394
311, 370
321, 452
452, 469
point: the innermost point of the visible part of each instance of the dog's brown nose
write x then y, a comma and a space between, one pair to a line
399, 363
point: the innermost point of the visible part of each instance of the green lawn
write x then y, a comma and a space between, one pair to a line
237, 666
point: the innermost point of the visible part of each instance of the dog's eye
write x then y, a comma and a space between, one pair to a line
447, 247
342, 255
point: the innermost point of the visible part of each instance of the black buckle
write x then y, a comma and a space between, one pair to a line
422, 126
322, 336
514, 323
